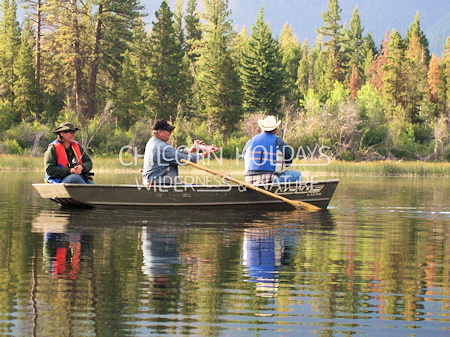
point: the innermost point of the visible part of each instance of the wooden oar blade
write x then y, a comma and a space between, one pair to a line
306, 206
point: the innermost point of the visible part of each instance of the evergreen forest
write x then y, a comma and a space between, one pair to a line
98, 65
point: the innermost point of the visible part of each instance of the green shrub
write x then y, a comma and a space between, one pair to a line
10, 146
6, 115
32, 136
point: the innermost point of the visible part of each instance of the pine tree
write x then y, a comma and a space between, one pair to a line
9, 48
25, 88
216, 15
193, 31
354, 82
238, 47
444, 80
129, 93
128, 103
218, 86
34, 9
416, 69
67, 52
115, 20
167, 89
333, 45
321, 73
433, 80
369, 54
178, 22
263, 73
375, 72
353, 44
394, 84
303, 73
415, 30
291, 54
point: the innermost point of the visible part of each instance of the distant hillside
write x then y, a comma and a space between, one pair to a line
377, 16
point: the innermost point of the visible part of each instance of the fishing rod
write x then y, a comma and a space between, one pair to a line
104, 116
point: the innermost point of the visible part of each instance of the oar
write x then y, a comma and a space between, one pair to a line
294, 203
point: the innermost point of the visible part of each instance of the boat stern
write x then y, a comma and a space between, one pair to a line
58, 193
50, 191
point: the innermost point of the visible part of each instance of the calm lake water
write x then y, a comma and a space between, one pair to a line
377, 263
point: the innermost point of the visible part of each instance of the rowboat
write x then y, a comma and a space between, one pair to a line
317, 193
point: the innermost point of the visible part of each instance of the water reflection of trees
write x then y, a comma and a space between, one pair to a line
386, 270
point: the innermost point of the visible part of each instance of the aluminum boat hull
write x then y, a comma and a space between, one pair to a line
318, 193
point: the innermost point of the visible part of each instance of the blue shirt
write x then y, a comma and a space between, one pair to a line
280, 146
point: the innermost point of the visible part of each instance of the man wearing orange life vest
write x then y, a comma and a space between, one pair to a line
65, 160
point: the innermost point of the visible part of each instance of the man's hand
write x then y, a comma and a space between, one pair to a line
201, 146
197, 146
76, 170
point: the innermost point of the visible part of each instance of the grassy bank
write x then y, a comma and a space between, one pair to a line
231, 166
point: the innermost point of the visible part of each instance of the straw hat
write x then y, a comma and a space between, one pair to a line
269, 123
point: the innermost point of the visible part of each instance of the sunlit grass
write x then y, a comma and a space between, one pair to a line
235, 167
382, 169
21, 163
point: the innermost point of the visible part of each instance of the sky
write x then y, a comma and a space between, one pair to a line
305, 16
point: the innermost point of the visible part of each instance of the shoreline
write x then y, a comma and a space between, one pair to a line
405, 169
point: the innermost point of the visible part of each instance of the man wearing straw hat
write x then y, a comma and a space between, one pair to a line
65, 160
266, 156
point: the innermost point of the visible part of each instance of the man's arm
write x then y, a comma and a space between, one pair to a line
87, 162
286, 150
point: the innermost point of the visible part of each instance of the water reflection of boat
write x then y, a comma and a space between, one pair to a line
155, 262
318, 193
48, 221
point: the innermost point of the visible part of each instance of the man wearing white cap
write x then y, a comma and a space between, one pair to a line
266, 156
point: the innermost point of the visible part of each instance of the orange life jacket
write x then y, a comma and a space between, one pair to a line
61, 158
61, 155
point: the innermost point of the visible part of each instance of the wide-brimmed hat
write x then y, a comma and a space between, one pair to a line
162, 124
269, 123
64, 127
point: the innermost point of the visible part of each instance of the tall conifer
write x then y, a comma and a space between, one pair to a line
193, 31
332, 31
68, 48
114, 23
167, 89
9, 48
416, 69
394, 83
34, 10
218, 85
444, 82
433, 80
25, 88
303, 73
290, 57
352, 46
129, 93
415, 29
263, 73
